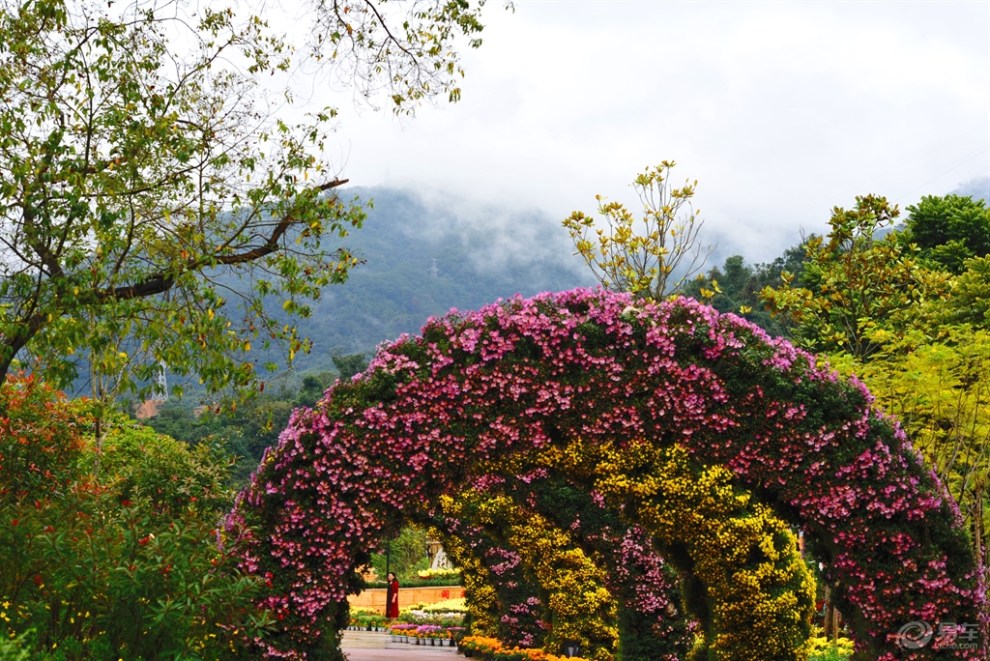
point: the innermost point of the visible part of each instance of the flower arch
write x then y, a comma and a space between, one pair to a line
651, 620
431, 412
559, 571
748, 589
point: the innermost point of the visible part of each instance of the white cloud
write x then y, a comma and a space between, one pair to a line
780, 110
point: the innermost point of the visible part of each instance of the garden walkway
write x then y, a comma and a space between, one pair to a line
377, 646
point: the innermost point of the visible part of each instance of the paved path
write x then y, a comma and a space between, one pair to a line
377, 646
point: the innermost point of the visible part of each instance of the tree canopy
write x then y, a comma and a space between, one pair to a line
949, 229
145, 157
853, 281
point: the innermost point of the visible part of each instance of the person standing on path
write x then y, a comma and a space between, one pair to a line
392, 597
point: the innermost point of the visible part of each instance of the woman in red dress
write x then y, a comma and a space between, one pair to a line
392, 597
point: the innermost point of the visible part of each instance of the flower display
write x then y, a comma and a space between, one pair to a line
506, 598
528, 376
492, 649
652, 623
566, 596
708, 521
481, 589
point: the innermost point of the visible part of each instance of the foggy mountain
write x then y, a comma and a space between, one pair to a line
424, 257
978, 189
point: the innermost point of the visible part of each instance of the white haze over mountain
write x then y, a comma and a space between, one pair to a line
499, 237
780, 110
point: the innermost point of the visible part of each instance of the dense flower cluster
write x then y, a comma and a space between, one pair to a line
587, 365
756, 589
492, 649
505, 598
570, 588
481, 590
543, 598
651, 621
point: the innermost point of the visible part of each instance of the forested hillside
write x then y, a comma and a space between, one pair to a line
421, 260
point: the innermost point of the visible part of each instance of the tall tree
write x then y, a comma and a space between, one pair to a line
141, 166
736, 287
406, 50
853, 282
949, 229
653, 259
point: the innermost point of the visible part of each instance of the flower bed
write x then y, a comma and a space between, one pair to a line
431, 633
452, 575
446, 634
490, 649
421, 582
367, 620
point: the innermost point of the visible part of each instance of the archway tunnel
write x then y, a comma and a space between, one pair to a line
661, 452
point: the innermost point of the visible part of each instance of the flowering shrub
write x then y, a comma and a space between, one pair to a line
41, 440
538, 373
113, 553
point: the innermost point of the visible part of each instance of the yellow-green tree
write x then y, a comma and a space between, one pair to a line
854, 283
940, 391
654, 257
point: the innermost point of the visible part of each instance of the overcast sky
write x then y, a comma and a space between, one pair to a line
780, 110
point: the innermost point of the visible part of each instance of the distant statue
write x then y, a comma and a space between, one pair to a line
440, 560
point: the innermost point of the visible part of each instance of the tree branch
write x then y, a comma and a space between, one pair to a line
158, 283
